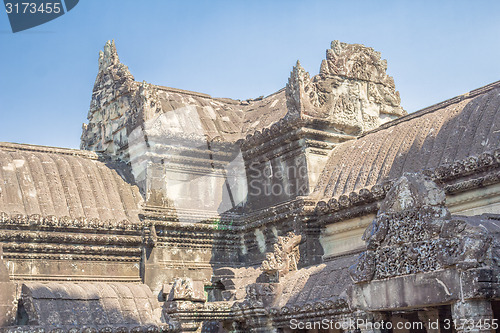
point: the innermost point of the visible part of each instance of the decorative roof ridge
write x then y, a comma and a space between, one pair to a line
443, 173
275, 93
454, 100
48, 149
182, 91
81, 223
224, 99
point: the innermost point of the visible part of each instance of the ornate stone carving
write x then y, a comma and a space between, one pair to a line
187, 289
352, 91
113, 106
299, 84
260, 294
414, 232
150, 236
284, 258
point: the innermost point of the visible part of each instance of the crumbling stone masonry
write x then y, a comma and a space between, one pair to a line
324, 201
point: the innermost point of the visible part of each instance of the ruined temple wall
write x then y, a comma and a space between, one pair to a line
192, 255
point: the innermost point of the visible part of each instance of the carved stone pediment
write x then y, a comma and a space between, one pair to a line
352, 92
414, 232
185, 289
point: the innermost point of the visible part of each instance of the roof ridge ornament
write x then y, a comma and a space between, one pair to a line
352, 91
109, 56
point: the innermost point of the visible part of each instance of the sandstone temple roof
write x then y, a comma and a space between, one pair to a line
451, 131
184, 212
63, 183
223, 118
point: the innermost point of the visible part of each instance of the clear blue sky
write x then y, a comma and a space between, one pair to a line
238, 49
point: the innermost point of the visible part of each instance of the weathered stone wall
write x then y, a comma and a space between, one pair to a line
8, 301
416, 245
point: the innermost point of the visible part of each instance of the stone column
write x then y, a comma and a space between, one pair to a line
479, 311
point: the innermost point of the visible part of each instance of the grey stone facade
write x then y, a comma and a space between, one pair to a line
322, 202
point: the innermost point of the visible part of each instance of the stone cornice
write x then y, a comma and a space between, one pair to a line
67, 224
70, 256
161, 328
309, 311
51, 150
97, 250
37, 236
288, 130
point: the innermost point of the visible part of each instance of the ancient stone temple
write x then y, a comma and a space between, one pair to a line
323, 207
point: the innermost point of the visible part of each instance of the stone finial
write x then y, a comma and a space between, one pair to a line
109, 63
113, 81
109, 56
299, 85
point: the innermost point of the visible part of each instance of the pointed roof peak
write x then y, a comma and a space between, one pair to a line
108, 56
298, 71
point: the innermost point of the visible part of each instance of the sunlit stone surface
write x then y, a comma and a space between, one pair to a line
323, 201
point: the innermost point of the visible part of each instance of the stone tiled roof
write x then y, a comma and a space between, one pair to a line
260, 114
320, 283
78, 304
308, 285
63, 183
464, 126
227, 119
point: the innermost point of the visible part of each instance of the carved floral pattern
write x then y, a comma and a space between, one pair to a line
414, 232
